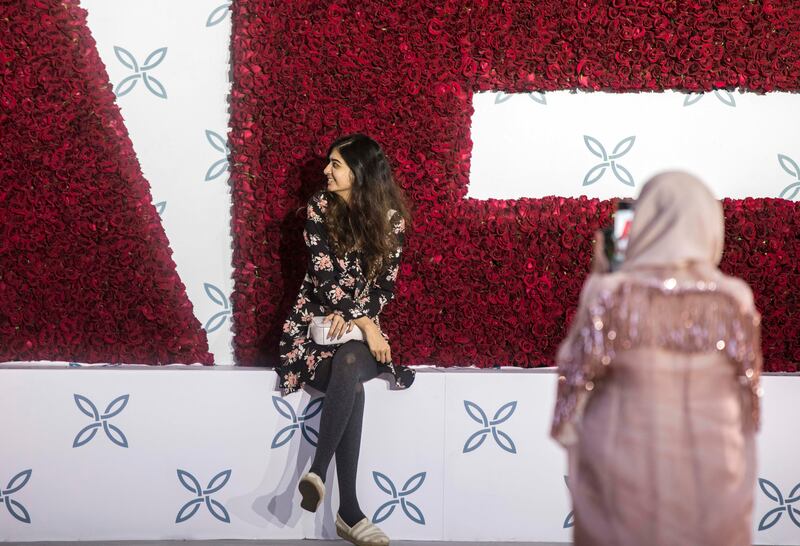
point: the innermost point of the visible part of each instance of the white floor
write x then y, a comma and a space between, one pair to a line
281, 543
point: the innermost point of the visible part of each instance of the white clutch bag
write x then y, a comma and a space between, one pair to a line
318, 332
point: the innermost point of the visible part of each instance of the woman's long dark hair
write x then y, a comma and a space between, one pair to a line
364, 222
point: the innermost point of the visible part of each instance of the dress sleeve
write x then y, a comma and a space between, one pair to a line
577, 367
381, 290
321, 263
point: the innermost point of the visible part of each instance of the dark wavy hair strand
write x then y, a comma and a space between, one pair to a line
364, 222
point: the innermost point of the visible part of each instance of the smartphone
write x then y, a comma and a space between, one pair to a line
616, 236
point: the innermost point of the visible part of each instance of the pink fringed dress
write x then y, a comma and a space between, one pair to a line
658, 392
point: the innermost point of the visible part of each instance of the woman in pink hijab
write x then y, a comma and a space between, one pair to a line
659, 384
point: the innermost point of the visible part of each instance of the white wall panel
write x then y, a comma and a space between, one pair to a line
609, 144
176, 111
124, 484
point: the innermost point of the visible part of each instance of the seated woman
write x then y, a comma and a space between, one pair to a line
659, 383
354, 234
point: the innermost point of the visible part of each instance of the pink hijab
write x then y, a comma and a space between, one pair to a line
677, 222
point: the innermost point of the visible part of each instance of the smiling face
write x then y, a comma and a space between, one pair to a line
339, 175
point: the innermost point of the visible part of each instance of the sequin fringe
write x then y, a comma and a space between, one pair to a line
692, 318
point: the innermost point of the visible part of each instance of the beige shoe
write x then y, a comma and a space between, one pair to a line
363, 533
313, 491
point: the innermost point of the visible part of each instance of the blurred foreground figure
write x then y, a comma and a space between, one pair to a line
659, 384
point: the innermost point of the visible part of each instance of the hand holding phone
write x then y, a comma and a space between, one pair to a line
615, 237
623, 219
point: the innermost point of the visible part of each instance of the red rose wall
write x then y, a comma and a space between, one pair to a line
86, 272
483, 283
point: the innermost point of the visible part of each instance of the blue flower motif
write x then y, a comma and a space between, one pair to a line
219, 318
500, 416
785, 504
221, 165
113, 409
724, 96
140, 73
284, 435
160, 207
14, 508
790, 166
218, 14
596, 173
569, 521
203, 496
535, 96
410, 509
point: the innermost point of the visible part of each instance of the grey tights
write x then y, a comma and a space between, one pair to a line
341, 379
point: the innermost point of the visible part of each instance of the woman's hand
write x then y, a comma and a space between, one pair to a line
339, 326
377, 344
600, 262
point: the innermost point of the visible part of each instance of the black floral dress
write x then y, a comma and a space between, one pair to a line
335, 285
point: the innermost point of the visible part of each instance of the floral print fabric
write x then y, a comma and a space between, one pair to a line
337, 285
